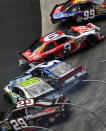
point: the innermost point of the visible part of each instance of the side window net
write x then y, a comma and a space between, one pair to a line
49, 46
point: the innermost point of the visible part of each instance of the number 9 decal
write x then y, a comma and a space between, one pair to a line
67, 47
89, 14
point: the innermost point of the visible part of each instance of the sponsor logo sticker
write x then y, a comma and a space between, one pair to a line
29, 82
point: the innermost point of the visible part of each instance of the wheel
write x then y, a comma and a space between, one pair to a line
91, 40
49, 57
78, 19
43, 123
67, 110
7, 98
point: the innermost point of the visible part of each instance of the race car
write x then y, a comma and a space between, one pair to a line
46, 80
61, 43
78, 10
26, 114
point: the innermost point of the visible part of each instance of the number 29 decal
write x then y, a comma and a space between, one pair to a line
24, 103
18, 124
89, 14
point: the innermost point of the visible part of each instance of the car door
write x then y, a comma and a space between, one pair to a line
64, 45
86, 11
17, 94
49, 49
71, 10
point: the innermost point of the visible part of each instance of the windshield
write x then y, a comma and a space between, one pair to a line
71, 32
60, 69
36, 46
18, 80
18, 113
39, 88
67, 6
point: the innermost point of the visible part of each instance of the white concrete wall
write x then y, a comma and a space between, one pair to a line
46, 8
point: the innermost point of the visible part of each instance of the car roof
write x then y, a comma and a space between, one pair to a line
52, 36
55, 63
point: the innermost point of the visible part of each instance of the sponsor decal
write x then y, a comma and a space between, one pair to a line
76, 81
52, 119
29, 82
27, 53
36, 57
51, 36
29, 117
41, 49
71, 14
77, 1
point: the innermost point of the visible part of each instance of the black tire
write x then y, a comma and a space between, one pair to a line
67, 110
49, 57
43, 123
91, 40
7, 98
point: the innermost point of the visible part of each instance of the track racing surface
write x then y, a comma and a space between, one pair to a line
93, 95
20, 26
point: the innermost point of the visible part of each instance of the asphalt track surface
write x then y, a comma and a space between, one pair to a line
19, 26
93, 95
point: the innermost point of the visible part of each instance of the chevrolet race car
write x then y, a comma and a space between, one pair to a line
78, 10
32, 112
61, 43
46, 80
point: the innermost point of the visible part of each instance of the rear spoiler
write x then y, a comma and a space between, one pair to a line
53, 9
23, 56
59, 5
72, 73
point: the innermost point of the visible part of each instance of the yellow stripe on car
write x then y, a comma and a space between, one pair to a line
29, 82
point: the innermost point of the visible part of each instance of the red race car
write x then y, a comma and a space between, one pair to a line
59, 44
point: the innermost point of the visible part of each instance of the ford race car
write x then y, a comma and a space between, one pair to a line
32, 112
61, 43
78, 10
57, 78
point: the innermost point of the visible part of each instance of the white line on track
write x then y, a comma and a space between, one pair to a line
94, 81
102, 61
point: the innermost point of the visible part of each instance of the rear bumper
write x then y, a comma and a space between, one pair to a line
23, 62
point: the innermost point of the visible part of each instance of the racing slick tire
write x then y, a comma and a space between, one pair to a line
67, 110
91, 40
7, 98
49, 57
43, 123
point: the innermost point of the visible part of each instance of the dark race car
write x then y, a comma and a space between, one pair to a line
58, 78
55, 71
32, 112
61, 43
78, 10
